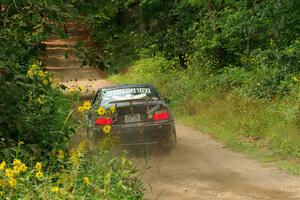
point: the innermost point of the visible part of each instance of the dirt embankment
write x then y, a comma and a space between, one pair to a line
199, 167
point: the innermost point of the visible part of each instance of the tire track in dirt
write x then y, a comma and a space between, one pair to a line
199, 167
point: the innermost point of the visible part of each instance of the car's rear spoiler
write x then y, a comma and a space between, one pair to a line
128, 100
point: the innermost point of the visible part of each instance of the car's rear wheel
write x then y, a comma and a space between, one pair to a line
170, 142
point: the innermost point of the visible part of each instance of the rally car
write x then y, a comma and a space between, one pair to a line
141, 116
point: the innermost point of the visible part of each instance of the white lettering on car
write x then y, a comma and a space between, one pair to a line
126, 91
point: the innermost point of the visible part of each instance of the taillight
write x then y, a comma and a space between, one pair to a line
104, 121
161, 115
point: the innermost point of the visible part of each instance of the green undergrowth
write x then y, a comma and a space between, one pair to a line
267, 129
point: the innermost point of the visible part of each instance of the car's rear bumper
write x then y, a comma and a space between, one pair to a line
143, 133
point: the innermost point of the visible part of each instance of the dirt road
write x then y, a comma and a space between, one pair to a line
199, 167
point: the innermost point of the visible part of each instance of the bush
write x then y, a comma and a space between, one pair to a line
31, 109
37, 115
36, 119
83, 173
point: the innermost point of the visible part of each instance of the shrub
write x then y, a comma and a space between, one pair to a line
82, 173
35, 112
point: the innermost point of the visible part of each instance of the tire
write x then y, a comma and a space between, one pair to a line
170, 142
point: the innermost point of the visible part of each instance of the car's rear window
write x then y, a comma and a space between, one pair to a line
120, 94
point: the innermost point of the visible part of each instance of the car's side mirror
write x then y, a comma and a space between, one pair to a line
167, 100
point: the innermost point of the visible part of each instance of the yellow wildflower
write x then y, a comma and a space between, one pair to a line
80, 87
39, 174
54, 189
106, 129
41, 74
32, 70
9, 173
61, 154
12, 182
16, 170
2, 165
34, 67
74, 157
86, 180
21, 142
45, 81
113, 109
39, 166
71, 90
17, 162
23, 167
80, 109
30, 73
41, 99
87, 105
101, 111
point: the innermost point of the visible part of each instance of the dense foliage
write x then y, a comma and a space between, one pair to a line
32, 110
236, 61
249, 44
37, 120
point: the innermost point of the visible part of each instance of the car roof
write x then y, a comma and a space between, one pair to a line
121, 86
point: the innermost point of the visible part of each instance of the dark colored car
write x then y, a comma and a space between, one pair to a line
142, 115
